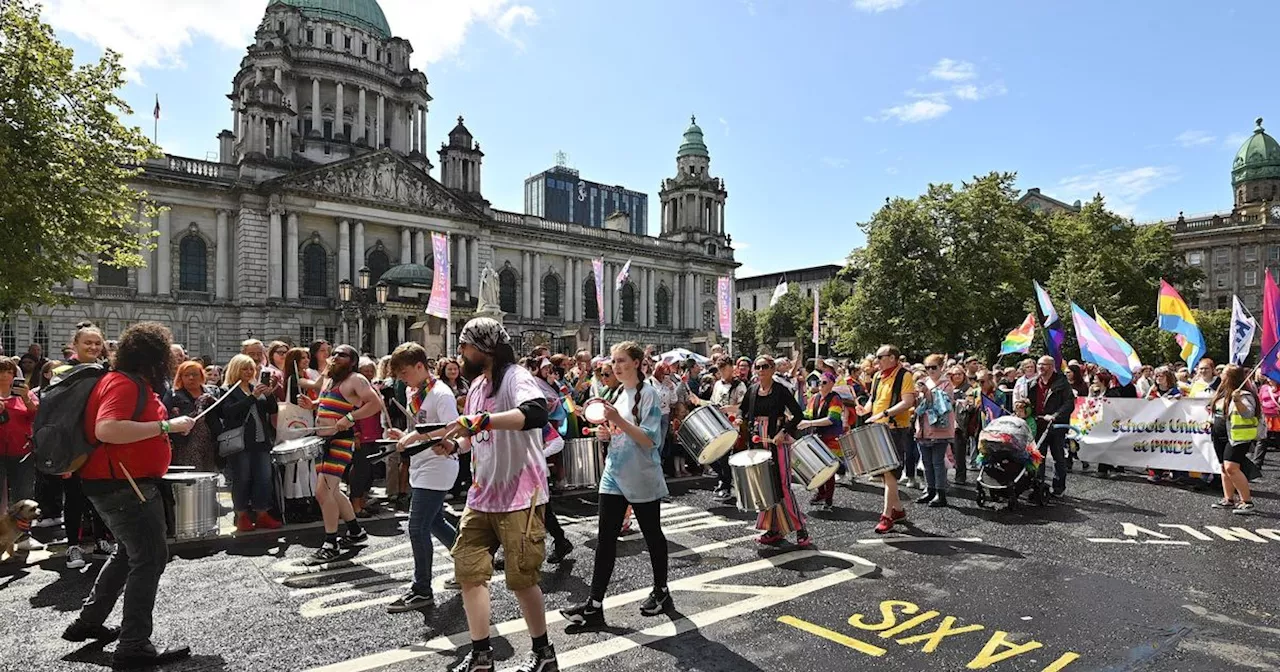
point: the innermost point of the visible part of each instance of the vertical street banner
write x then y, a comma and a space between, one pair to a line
438, 305
726, 309
597, 269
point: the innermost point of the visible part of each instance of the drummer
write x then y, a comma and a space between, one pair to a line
336, 415
766, 406
825, 413
727, 393
892, 400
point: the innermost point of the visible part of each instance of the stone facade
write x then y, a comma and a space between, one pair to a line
755, 292
256, 244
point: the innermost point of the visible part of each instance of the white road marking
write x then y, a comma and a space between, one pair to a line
907, 540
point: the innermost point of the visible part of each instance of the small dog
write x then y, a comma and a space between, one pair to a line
16, 523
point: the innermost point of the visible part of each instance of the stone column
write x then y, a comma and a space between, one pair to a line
473, 263
536, 281
420, 251
721, 211
406, 245
274, 253
222, 269
694, 317
422, 128
291, 258
380, 122
380, 335
357, 259
317, 126
463, 262
338, 115
526, 272
567, 313
164, 254
344, 250
359, 126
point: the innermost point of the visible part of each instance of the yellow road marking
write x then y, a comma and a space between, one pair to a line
855, 644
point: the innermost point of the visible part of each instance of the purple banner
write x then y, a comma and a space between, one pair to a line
726, 308
439, 303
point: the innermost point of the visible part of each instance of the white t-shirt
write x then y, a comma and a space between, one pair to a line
426, 469
507, 467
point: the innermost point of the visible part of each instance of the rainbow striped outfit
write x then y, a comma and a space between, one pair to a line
341, 446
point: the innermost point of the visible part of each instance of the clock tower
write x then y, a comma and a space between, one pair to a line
693, 200
1255, 176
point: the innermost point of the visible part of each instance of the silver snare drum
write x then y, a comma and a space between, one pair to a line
195, 504
753, 480
813, 462
297, 450
582, 463
870, 450
707, 434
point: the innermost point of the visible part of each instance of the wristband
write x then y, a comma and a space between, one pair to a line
164, 427
350, 419
474, 424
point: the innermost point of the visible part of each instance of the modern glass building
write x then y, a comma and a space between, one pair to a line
561, 195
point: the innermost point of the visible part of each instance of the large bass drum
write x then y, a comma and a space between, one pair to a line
707, 434
754, 483
813, 462
582, 462
195, 504
870, 450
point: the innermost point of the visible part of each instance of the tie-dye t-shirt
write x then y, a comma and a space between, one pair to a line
506, 467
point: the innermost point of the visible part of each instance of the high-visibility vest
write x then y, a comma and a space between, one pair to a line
1242, 429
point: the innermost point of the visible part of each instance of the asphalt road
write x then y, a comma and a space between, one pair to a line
1118, 575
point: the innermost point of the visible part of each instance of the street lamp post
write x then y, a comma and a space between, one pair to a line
360, 304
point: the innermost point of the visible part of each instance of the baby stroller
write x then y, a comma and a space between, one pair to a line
1009, 463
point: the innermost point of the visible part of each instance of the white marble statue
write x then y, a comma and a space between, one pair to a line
488, 296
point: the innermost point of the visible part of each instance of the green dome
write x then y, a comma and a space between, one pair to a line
693, 144
363, 14
1258, 158
408, 275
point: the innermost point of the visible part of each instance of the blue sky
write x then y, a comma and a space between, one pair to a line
814, 110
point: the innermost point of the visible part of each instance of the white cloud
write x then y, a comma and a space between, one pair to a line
747, 271
155, 33
877, 6
835, 162
974, 92
923, 109
1234, 140
891, 170
750, 6
725, 124
1194, 138
950, 70
1123, 189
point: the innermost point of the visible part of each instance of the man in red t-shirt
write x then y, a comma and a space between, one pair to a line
121, 479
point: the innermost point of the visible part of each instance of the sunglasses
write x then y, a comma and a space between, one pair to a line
763, 367
604, 374
343, 355
931, 368
883, 356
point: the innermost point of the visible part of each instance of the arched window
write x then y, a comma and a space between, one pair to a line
314, 271
507, 291
111, 276
378, 263
662, 306
551, 296
590, 310
192, 261
628, 295
709, 316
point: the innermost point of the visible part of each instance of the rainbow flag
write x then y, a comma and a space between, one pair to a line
1174, 316
1054, 333
1135, 364
1099, 347
1019, 340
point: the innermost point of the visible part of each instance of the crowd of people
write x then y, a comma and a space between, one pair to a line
509, 417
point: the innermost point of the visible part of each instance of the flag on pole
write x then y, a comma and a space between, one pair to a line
1054, 331
597, 268
815, 325
1019, 340
1098, 346
1269, 366
1174, 316
623, 275
990, 409
156, 112
439, 303
1135, 364
725, 307
1243, 327
778, 293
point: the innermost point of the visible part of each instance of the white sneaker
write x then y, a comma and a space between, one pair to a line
104, 547
75, 557
26, 543
904, 479
48, 522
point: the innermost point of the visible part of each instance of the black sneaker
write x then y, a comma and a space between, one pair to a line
499, 563
475, 661
657, 602
559, 551
348, 540
147, 656
539, 661
411, 601
80, 632
325, 553
584, 614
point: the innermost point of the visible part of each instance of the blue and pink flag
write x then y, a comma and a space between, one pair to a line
1270, 364
1054, 333
1099, 346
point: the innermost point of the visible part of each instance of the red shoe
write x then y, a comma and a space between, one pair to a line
899, 514
264, 521
804, 542
243, 522
770, 539
885, 524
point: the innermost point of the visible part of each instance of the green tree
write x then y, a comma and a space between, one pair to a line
65, 201
781, 321
745, 342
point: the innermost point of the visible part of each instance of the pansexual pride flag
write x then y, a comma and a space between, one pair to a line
1099, 347
1174, 316
1019, 340
1269, 365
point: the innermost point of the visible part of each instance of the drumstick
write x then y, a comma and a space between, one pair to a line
404, 410
215, 404
533, 504
132, 484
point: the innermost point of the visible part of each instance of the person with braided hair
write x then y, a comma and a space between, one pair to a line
632, 477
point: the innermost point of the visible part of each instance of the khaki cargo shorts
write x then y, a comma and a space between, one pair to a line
479, 536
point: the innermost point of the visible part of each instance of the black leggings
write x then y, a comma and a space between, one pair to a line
552, 523
612, 509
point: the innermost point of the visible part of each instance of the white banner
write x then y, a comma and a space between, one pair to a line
1165, 434
1243, 327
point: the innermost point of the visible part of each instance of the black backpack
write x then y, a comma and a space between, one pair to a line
58, 441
